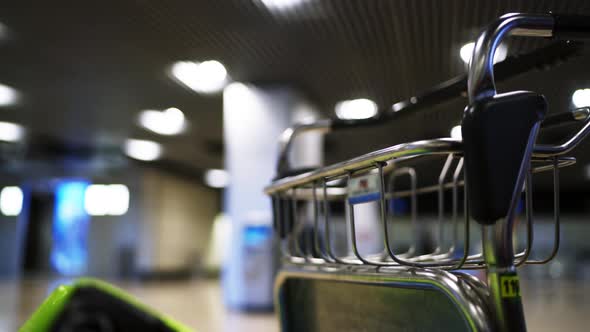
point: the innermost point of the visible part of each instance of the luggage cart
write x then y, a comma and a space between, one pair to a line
486, 173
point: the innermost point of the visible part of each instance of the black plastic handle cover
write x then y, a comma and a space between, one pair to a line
496, 131
576, 27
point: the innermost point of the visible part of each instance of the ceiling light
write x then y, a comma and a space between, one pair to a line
216, 178
8, 95
95, 200
456, 133
11, 201
356, 109
203, 77
281, 4
119, 199
11, 132
581, 98
102, 200
168, 122
142, 149
466, 52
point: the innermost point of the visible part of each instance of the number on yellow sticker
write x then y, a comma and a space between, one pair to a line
510, 286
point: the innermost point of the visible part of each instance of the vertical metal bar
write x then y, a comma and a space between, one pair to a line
414, 206
279, 232
467, 235
556, 216
529, 219
413, 202
276, 216
389, 250
327, 237
382, 203
456, 176
330, 252
295, 232
441, 202
317, 252
355, 250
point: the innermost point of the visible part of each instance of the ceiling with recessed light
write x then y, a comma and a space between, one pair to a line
85, 70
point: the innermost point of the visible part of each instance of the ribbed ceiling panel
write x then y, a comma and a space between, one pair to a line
87, 68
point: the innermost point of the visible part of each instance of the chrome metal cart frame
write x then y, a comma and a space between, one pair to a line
489, 170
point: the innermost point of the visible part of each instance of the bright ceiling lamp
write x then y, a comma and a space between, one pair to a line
456, 133
96, 199
142, 149
282, 4
581, 98
103, 200
8, 96
168, 122
11, 201
466, 52
11, 132
206, 77
356, 109
217, 178
119, 201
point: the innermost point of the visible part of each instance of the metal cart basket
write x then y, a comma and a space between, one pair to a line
331, 281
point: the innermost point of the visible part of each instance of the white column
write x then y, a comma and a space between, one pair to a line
254, 117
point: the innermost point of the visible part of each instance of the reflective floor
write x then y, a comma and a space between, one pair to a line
549, 305
556, 305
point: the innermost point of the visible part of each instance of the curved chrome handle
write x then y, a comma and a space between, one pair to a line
288, 136
323, 126
480, 81
583, 116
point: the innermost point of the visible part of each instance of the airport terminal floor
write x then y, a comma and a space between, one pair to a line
549, 305
196, 303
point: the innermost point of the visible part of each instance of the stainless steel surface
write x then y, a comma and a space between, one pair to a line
567, 146
400, 151
481, 73
437, 258
556, 218
313, 252
338, 193
466, 294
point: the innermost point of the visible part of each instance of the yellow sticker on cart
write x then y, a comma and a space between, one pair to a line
510, 286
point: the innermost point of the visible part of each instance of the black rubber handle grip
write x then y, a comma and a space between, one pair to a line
496, 132
576, 27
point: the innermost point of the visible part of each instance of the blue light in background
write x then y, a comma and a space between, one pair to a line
255, 236
70, 228
399, 206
